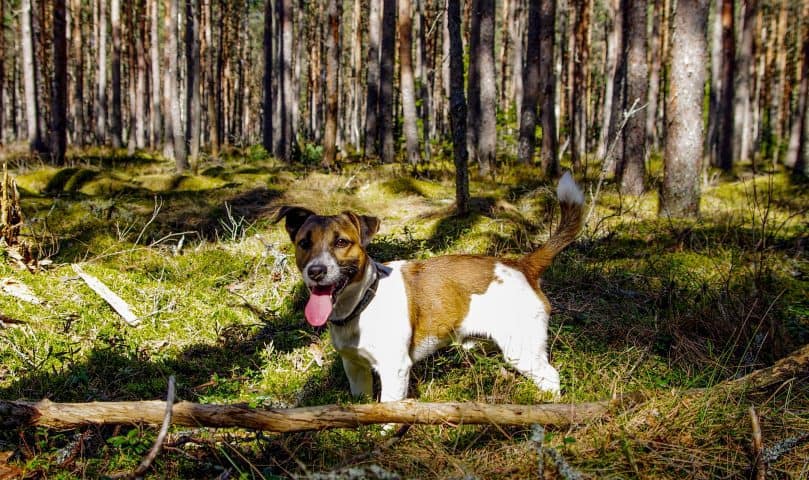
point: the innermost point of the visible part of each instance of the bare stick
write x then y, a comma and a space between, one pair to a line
759, 467
158, 443
116, 302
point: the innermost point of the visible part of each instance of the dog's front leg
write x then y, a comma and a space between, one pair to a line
359, 377
394, 379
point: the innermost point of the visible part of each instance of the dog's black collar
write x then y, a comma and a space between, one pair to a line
366, 299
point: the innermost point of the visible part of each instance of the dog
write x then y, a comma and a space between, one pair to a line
384, 318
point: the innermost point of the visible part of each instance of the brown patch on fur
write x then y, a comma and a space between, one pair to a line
439, 291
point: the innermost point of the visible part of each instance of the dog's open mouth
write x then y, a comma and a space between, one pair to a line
321, 303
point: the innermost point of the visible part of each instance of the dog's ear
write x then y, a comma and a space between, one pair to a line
366, 225
295, 218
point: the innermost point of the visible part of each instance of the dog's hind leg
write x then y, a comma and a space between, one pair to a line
359, 377
527, 354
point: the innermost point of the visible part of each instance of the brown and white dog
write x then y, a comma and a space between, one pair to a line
387, 317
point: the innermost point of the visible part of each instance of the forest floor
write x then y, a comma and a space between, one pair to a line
640, 304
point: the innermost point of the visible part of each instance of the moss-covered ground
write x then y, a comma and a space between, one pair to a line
640, 304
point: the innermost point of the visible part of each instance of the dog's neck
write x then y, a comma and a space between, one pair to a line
353, 293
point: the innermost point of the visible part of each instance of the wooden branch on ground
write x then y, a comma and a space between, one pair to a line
70, 415
116, 302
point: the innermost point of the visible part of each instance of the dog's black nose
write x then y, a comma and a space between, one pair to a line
316, 272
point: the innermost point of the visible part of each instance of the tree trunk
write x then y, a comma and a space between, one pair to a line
139, 23
742, 107
387, 57
530, 85
516, 32
193, 72
457, 107
154, 55
212, 75
77, 102
615, 137
266, 82
407, 83
779, 115
426, 78
2, 74
287, 139
487, 134
797, 150
580, 60
29, 79
549, 155
59, 113
680, 194
632, 167
725, 127
372, 81
654, 77
332, 73
101, 74
473, 82
180, 159
115, 65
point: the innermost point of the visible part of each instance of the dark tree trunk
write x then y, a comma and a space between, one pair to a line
654, 77
487, 133
372, 81
266, 82
578, 111
632, 167
473, 82
387, 57
193, 72
613, 48
154, 56
332, 73
458, 107
101, 74
547, 89
285, 144
59, 96
742, 114
2, 72
77, 102
408, 87
115, 64
530, 85
680, 194
725, 119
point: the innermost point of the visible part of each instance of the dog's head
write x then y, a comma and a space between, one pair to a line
329, 252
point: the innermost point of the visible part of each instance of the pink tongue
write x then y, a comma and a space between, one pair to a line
319, 306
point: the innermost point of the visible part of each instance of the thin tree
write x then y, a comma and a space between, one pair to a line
407, 83
372, 81
487, 132
797, 151
116, 124
387, 56
547, 88
742, 107
332, 72
193, 73
632, 165
725, 127
458, 107
530, 86
154, 57
101, 74
266, 82
2, 71
577, 117
29, 79
59, 97
139, 51
180, 159
286, 141
655, 61
680, 194
613, 84
473, 81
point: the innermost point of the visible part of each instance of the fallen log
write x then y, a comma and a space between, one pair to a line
71, 415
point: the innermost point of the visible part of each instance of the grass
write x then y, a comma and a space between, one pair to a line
640, 304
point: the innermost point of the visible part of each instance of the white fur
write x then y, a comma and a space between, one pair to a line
509, 312
568, 192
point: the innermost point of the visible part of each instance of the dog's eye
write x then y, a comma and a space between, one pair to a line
305, 244
341, 243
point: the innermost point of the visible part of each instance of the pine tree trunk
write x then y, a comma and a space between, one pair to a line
101, 75
797, 151
193, 72
725, 126
285, 76
473, 82
530, 85
387, 56
2, 75
487, 135
77, 56
426, 77
29, 78
547, 89
578, 113
407, 83
212, 75
139, 23
516, 32
680, 194
154, 56
457, 107
654, 77
332, 73
742, 107
632, 167
780, 72
59, 114
266, 82
180, 159
372, 81
115, 65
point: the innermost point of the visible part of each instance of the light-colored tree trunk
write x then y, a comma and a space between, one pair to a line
266, 83
530, 85
516, 33
77, 53
487, 133
193, 73
332, 73
613, 49
140, 117
778, 116
743, 107
29, 78
654, 76
180, 159
426, 76
680, 194
797, 151
632, 167
410, 128
116, 124
372, 81
59, 109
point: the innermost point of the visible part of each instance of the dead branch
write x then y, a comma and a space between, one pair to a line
759, 466
116, 302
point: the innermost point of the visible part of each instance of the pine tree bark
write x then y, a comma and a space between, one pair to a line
332, 73
516, 32
101, 75
680, 194
193, 73
140, 108
287, 138
797, 151
180, 159
30, 87
457, 107
530, 85
266, 81
387, 57
407, 84
742, 107
473, 81
155, 112
487, 134
654, 76
372, 81
612, 85
725, 127
549, 154
632, 167
2, 75
59, 109
77, 102
116, 123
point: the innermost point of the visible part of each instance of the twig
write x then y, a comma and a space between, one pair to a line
538, 437
759, 467
158, 443
116, 302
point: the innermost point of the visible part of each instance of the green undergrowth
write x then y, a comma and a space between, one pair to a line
641, 304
